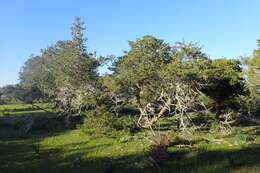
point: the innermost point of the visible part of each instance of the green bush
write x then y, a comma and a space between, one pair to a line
101, 122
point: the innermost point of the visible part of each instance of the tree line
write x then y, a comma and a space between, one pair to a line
153, 79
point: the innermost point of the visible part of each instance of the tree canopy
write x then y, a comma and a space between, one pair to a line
253, 73
153, 77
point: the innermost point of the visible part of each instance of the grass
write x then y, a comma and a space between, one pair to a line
19, 107
64, 150
18, 110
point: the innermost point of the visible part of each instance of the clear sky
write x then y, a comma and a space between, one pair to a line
225, 28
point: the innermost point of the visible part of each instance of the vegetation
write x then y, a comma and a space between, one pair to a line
253, 71
64, 150
163, 108
17, 94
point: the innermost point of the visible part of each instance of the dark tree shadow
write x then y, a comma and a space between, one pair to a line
180, 161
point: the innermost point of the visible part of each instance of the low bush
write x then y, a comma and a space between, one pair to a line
101, 122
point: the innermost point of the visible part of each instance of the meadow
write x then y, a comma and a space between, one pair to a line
63, 149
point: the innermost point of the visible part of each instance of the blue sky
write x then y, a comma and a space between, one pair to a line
225, 28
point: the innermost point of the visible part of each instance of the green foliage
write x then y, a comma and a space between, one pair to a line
152, 68
138, 68
17, 94
253, 72
74, 151
224, 80
187, 51
219, 79
154, 78
65, 67
101, 122
11, 94
150, 81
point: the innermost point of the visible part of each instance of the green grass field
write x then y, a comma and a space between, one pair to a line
62, 150
17, 110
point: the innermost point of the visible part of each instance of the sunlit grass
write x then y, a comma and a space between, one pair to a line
64, 150
18, 110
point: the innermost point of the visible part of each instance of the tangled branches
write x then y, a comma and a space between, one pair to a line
175, 99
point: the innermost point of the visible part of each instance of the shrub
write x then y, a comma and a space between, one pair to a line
101, 122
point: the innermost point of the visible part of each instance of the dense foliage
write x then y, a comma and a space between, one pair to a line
66, 72
17, 94
153, 79
253, 72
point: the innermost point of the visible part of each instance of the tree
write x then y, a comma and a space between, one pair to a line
31, 73
136, 73
17, 94
75, 72
78, 39
224, 82
143, 74
38, 71
161, 79
65, 71
219, 79
253, 73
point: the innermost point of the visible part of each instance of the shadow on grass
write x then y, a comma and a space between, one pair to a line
76, 160
19, 109
29, 114
20, 154
23, 107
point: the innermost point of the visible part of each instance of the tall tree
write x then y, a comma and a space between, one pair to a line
75, 71
78, 39
253, 72
136, 73
140, 73
160, 78
65, 71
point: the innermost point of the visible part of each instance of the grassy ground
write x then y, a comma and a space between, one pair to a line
64, 150
16, 110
